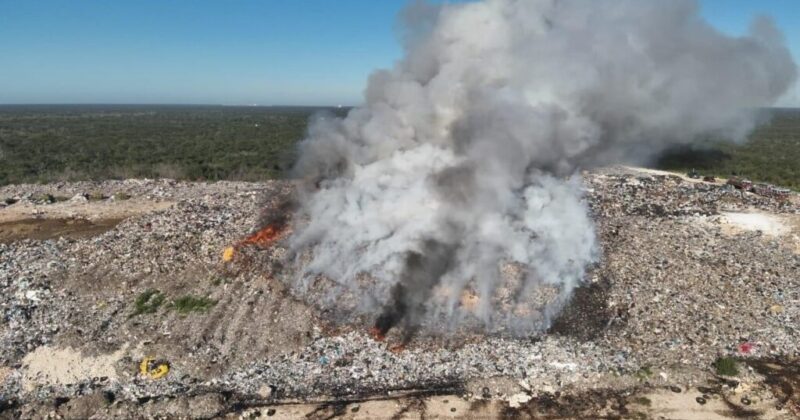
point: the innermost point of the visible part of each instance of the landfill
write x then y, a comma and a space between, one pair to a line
168, 310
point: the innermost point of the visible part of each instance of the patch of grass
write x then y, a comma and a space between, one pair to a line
643, 401
726, 366
147, 302
644, 373
188, 304
121, 196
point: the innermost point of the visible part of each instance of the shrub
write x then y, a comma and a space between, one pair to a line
187, 304
147, 302
726, 366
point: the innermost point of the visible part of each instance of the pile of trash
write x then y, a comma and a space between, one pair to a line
189, 314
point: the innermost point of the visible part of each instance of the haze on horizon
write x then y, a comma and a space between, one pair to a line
314, 52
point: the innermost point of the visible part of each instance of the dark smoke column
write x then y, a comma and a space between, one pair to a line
458, 175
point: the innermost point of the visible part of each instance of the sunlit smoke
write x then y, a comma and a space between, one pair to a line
452, 197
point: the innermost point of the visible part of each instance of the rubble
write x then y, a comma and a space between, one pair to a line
673, 293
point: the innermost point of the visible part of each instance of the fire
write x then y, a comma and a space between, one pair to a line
377, 334
264, 238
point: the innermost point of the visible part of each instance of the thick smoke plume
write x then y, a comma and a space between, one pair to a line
452, 197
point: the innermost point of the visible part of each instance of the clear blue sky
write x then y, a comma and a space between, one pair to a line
292, 52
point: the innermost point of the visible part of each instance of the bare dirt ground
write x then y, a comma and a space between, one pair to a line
691, 272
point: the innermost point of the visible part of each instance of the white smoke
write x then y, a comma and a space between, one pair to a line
462, 164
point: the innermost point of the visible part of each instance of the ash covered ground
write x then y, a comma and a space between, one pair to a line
118, 271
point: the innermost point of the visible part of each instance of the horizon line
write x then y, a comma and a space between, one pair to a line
174, 104
169, 104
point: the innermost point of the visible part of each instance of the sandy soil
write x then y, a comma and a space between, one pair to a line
785, 227
70, 219
768, 224
681, 175
53, 366
42, 229
689, 404
91, 211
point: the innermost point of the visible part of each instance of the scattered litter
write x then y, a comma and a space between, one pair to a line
228, 253
153, 368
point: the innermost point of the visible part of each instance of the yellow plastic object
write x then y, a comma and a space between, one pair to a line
227, 254
153, 369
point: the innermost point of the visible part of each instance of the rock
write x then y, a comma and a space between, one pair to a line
517, 400
265, 391
776, 309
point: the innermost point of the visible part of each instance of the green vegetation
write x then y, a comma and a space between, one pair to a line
726, 366
70, 143
188, 304
771, 154
147, 302
643, 401
644, 373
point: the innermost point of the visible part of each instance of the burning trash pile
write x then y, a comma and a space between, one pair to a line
464, 196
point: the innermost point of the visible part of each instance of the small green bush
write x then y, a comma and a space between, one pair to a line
726, 366
644, 373
188, 304
147, 302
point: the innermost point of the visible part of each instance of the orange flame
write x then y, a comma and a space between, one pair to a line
264, 238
